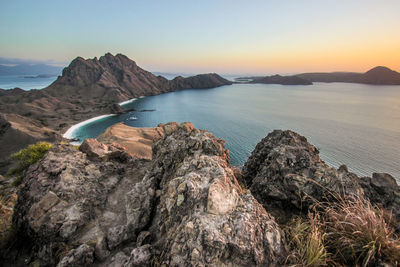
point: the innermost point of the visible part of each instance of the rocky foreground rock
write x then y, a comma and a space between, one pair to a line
101, 206
285, 173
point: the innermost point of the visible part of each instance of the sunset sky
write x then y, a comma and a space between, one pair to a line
238, 37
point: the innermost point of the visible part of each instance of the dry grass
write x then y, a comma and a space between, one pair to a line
349, 232
306, 243
358, 233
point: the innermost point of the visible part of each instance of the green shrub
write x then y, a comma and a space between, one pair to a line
27, 157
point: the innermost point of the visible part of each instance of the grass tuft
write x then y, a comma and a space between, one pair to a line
349, 232
306, 243
358, 233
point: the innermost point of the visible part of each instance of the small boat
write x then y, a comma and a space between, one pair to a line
132, 118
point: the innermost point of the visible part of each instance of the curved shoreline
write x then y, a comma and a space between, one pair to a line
127, 101
70, 132
130, 100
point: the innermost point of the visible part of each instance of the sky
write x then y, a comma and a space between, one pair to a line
228, 37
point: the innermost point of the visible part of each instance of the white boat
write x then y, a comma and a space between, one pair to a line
132, 118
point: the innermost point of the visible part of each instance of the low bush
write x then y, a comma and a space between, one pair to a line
27, 157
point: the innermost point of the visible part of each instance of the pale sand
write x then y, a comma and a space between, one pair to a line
137, 141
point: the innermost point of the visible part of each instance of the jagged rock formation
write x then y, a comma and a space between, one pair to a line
118, 78
285, 172
100, 206
379, 75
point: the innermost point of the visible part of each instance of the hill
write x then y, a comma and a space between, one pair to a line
378, 76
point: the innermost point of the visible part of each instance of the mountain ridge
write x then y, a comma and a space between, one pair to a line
119, 78
379, 75
88, 88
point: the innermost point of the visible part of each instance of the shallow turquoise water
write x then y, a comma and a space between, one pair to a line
353, 124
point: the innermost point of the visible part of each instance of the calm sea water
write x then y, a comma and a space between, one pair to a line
12, 81
353, 124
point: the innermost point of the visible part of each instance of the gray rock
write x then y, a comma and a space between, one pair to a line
382, 189
203, 216
140, 256
81, 256
285, 172
71, 197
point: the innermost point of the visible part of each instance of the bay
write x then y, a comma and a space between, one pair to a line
353, 124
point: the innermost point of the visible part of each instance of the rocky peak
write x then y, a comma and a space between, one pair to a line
117, 78
103, 206
185, 207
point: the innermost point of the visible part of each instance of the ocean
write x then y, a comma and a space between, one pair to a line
353, 124
26, 82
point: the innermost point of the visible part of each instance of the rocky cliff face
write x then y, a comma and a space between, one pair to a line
101, 206
115, 78
118, 78
286, 171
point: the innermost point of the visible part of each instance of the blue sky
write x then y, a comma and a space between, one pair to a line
203, 36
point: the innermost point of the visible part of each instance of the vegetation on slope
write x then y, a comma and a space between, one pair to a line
350, 232
27, 157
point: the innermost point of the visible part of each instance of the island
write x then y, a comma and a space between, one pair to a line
87, 88
377, 76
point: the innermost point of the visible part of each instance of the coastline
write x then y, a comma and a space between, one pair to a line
127, 101
130, 100
69, 133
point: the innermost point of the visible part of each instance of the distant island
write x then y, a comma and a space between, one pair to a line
39, 76
276, 79
29, 69
377, 76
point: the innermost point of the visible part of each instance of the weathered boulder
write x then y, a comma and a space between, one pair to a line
285, 172
69, 199
203, 216
382, 189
